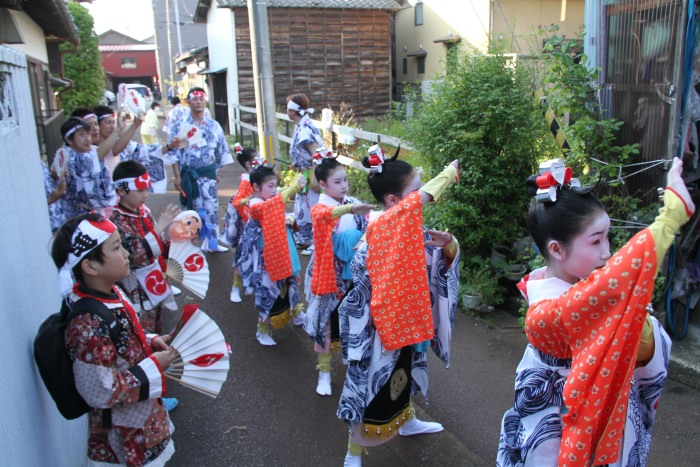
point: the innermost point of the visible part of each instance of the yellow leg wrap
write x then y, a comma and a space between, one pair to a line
237, 281
263, 328
298, 308
354, 449
324, 362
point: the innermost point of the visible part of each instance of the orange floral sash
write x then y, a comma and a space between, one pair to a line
245, 189
597, 323
323, 274
271, 215
396, 264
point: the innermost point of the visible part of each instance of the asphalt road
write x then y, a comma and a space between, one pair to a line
268, 413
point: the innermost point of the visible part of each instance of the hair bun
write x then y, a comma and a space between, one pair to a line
365, 162
531, 185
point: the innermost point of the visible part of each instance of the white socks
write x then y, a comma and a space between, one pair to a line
352, 461
419, 427
235, 294
324, 384
265, 339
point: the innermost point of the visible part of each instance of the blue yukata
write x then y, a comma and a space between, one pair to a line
89, 183
198, 167
304, 133
57, 214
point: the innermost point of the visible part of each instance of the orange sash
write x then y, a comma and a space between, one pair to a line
597, 323
271, 215
245, 189
400, 304
323, 275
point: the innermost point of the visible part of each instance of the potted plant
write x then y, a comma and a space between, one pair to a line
479, 288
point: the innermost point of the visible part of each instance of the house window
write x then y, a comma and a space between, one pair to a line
418, 11
420, 61
405, 66
129, 62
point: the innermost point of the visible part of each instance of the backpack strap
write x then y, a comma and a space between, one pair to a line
91, 305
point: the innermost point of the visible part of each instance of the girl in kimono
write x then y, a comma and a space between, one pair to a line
121, 381
237, 215
406, 281
269, 264
588, 385
338, 223
306, 139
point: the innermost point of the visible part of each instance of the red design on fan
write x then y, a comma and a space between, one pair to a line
194, 262
191, 133
155, 283
142, 182
208, 359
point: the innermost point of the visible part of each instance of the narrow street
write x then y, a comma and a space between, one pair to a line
268, 412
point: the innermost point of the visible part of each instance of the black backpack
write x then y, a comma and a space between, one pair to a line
51, 354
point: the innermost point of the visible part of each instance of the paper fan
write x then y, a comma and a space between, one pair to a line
191, 133
187, 265
202, 363
135, 102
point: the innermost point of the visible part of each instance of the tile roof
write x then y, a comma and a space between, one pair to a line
350, 4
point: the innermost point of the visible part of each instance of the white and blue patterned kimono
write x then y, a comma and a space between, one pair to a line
152, 157
254, 275
57, 215
89, 183
531, 429
212, 149
346, 234
304, 133
369, 364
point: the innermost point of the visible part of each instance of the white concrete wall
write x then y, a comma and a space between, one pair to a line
32, 35
221, 37
32, 432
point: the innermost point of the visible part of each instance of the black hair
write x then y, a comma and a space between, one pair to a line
175, 100
128, 169
563, 219
102, 110
393, 178
324, 169
72, 123
62, 244
261, 174
154, 104
81, 112
246, 155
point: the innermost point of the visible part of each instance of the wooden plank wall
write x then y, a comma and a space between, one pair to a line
331, 55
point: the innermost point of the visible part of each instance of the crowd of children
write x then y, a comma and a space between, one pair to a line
380, 286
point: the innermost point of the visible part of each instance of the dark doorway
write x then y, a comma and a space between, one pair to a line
220, 100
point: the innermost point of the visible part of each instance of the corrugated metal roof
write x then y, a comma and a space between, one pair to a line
353, 4
127, 48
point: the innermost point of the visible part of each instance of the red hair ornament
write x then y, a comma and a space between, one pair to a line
553, 175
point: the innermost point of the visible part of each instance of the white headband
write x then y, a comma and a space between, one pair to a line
133, 183
105, 116
291, 105
88, 116
87, 236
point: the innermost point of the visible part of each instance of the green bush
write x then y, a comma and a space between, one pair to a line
82, 66
482, 114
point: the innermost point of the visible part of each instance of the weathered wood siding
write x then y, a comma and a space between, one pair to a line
331, 55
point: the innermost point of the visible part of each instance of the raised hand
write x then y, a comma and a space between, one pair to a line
302, 181
676, 183
438, 238
362, 208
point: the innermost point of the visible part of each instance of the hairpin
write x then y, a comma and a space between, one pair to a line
321, 154
553, 175
376, 158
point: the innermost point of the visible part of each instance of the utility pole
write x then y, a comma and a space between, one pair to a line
159, 66
264, 86
170, 46
177, 26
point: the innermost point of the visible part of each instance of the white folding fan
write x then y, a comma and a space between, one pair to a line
202, 363
187, 265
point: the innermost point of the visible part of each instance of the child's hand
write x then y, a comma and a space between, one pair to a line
455, 163
165, 357
302, 181
362, 208
438, 239
166, 217
676, 183
121, 123
160, 343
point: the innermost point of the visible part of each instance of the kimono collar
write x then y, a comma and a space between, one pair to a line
535, 287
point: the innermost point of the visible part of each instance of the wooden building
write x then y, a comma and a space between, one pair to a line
334, 51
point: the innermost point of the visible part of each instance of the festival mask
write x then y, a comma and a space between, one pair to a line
185, 226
